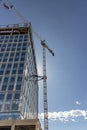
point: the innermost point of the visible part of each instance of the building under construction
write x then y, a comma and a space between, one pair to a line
18, 86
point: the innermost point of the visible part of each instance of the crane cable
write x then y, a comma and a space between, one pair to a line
16, 11
21, 17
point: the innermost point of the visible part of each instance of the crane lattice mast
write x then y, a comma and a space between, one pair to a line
44, 45
45, 103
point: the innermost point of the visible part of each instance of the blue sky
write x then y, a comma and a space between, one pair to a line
63, 24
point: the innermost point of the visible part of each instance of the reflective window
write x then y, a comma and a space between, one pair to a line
3, 66
9, 66
22, 56
17, 54
13, 49
8, 49
11, 37
14, 71
19, 48
16, 59
1, 40
15, 65
0, 107
4, 45
10, 87
21, 36
4, 87
6, 79
22, 59
0, 59
20, 40
2, 37
24, 44
25, 36
23, 48
6, 54
18, 87
10, 40
1, 72
21, 65
15, 106
2, 96
16, 36
20, 71
19, 78
14, 45
15, 40
0, 79
3, 49
7, 107
7, 37
5, 60
19, 44
12, 54
9, 45
6, 41
9, 96
7, 72
1, 54
25, 39
12, 79
17, 96
10, 59
23, 53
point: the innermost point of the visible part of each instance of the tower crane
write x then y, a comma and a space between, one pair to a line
44, 45
44, 77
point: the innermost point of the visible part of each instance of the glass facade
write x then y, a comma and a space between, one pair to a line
18, 96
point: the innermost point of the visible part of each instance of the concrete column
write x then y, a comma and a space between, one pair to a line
13, 127
37, 127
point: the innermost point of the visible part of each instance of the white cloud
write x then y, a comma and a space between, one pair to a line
78, 103
66, 115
